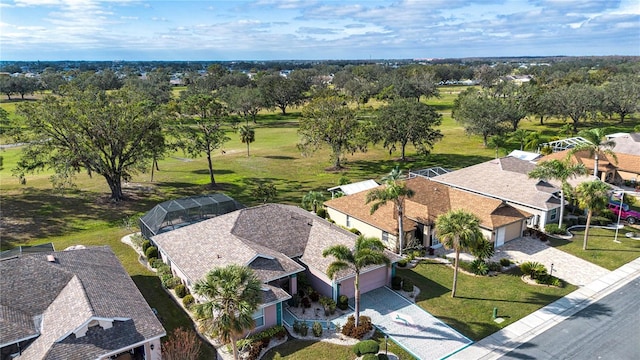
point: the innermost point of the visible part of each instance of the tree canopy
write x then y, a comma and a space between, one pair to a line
110, 134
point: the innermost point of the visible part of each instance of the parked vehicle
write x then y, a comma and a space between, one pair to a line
631, 216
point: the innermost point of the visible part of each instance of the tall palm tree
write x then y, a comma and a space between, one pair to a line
234, 295
558, 170
247, 135
367, 251
521, 136
396, 191
458, 230
598, 143
312, 199
593, 196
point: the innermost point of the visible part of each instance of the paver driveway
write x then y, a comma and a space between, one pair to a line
410, 326
565, 266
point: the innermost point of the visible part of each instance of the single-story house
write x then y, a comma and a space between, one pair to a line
278, 242
507, 179
500, 222
74, 304
350, 189
607, 168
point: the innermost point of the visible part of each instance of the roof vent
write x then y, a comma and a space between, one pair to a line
51, 258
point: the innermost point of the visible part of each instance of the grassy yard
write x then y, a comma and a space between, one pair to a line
35, 213
601, 249
316, 350
471, 311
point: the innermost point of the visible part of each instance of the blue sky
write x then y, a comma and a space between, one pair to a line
314, 29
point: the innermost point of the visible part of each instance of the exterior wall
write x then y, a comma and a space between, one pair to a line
320, 282
366, 229
542, 215
176, 271
156, 353
270, 318
369, 280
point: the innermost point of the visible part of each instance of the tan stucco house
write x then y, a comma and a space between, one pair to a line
75, 304
278, 242
500, 222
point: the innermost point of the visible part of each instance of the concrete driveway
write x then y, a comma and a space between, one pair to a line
565, 266
414, 329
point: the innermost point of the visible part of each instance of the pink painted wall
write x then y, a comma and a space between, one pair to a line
320, 282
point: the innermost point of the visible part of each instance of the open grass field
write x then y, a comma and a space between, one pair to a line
36, 213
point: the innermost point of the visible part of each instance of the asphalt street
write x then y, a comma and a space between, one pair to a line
607, 329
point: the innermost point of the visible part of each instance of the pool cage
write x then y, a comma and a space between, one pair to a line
173, 214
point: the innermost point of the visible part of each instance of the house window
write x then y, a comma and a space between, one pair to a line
385, 237
553, 214
258, 317
348, 224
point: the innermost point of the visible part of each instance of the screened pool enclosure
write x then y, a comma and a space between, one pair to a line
173, 214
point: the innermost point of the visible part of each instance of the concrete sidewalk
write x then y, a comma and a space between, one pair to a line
521, 331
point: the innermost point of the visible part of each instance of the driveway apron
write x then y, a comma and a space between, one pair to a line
414, 329
570, 268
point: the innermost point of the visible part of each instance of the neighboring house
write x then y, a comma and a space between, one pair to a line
75, 304
507, 179
627, 149
499, 222
350, 189
278, 242
607, 168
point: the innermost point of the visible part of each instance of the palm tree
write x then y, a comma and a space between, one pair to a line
593, 196
458, 230
247, 135
312, 199
367, 251
497, 142
598, 143
395, 190
234, 295
558, 170
521, 136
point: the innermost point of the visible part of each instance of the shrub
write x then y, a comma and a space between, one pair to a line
188, 300
314, 295
465, 265
402, 262
366, 347
505, 262
343, 302
350, 329
304, 328
382, 356
555, 229
316, 329
600, 221
396, 283
181, 290
156, 263
407, 285
257, 342
306, 303
355, 231
483, 249
145, 245
296, 326
494, 266
370, 357
533, 269
152, 261
479, 267
172, 282
163, 270
151, 252
164, 278
328, 304
322, 212
137, 240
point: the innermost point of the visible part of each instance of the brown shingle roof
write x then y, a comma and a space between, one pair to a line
430, 200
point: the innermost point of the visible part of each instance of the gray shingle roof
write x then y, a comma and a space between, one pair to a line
505, 179
79, 286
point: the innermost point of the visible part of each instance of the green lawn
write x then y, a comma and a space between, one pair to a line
36, 213
601, 249
471, 311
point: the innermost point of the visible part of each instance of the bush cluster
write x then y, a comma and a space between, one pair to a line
145, 245
171, 282
156, 263
402, 262
554, 229
396, 283
316, 329
261, 340
407, 285
322, 212
300, 327
366, 347
151, 252
188, 300
505, 262
350, 329
494, 266
355, 231
181, 290
343, 302
533, 269
479, 267
328, 304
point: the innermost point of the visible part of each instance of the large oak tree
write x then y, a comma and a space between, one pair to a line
110, 134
